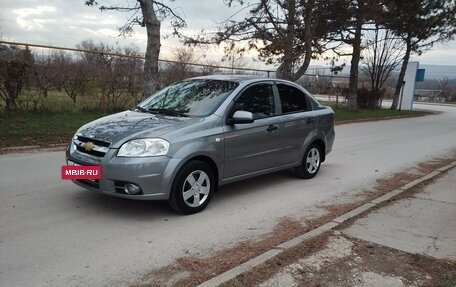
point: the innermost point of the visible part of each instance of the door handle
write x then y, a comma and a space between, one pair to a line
272, 128
310, 121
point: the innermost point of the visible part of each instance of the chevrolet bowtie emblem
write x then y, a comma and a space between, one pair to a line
88, 146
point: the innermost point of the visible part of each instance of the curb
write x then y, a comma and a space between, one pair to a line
19, 148
32, 147
246, 266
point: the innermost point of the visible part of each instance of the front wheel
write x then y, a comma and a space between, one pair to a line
192, 188
311, 162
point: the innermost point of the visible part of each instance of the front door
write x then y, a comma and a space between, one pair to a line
252, 147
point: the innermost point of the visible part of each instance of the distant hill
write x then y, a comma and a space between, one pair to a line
432, 71
439, 71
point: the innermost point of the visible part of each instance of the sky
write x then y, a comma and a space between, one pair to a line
68, 22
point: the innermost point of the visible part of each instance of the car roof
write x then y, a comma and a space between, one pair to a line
245, 79
236, 78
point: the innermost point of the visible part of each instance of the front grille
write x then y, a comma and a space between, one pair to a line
91, 152
94, 141
91, 183
91, 146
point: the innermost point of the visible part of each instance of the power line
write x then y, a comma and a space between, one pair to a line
130, 56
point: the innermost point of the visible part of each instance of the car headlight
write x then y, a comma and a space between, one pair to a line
72, 146
143, 148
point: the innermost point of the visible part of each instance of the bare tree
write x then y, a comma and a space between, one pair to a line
111, 84
448, 88
382, 54
148, 14
95, 59
184, 57
234, 56
47, 70
43, 74
133, 76
61, 71
181, 67
75, 82
119, 78
15, 68
91, 59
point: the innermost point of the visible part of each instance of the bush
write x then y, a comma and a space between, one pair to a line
365, 98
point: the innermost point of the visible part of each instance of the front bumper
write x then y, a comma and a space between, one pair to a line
152, 174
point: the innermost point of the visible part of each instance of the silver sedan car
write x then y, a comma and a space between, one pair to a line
186, 140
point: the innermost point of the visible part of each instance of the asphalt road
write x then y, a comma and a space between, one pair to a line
53, 233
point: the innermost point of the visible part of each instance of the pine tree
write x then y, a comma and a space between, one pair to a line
420, 24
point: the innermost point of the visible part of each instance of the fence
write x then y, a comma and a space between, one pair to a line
101, 77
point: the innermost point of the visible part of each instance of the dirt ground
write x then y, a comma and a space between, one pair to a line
349, 262
338, 260
192, 270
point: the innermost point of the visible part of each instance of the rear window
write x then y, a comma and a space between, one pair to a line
292, 99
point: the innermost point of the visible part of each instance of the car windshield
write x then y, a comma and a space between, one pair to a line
198, 97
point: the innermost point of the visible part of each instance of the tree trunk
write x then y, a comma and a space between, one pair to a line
308, 35
14, 81
11, 105
353, 85
400, 79
151, 80
303, 68
285, 70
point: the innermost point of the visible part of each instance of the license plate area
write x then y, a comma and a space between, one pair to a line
75, 171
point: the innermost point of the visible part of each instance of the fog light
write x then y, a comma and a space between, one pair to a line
131, 188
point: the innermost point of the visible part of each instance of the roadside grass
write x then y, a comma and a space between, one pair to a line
42, 128
46, 128
58, 101
344, 116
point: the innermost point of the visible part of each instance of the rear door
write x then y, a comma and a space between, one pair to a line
297, 121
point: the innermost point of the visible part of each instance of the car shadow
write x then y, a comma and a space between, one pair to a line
256, 184
91, 202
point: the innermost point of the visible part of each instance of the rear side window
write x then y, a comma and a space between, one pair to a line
292, 99
258, 99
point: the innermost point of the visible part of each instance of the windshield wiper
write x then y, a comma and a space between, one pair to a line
167, 112
141, 109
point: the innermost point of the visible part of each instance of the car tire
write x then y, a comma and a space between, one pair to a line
311, 162
192, 188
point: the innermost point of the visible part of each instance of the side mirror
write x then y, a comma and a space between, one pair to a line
241, 117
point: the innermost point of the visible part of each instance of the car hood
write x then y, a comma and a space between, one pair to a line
120, 127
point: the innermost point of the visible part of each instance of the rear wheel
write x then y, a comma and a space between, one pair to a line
311, 162
192, 188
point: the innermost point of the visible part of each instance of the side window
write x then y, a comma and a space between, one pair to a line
292, 99
259, 100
